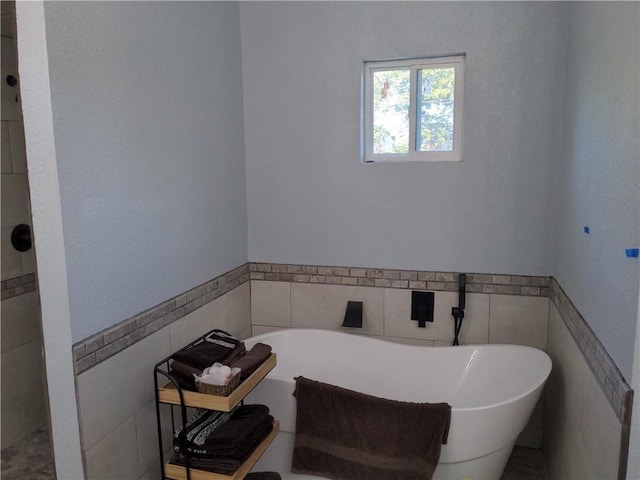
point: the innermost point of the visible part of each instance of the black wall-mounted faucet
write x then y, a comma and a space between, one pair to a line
353, 315
422, 307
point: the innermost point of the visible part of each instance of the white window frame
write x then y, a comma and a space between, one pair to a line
457, 62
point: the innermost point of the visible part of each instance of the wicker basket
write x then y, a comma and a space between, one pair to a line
220, 390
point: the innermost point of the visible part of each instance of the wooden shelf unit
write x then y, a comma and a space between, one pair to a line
169, 394
177, 472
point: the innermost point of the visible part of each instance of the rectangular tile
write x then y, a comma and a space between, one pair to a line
324, 306
5, 157
519, 320
18, 147
21, 321
260, 329
15, 200
11, 258
147, 435
21, 416
9, 52
115, 456
271, 303
114, 390
22, 370
239, 309
10, 107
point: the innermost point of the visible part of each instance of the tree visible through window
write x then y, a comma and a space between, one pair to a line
413, 109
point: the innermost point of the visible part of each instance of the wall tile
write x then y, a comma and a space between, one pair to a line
519, 320
599, 428
21, 321
398, 323
11, 258
324, 306
152, 473
10, 108
271, 303
260, 329
8, 26
200, 321
15, 201
114, 390
28, 261
114, 457
239, 309
246, 333
6, 148
8, 52
582, 434
147, 435
22, 416
8, 8
22, 369
18, 148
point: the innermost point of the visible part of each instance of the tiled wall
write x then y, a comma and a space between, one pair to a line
113, 368
582, 432
107, 343
115, 396
512, 309
500, 308
588, 403
23, 396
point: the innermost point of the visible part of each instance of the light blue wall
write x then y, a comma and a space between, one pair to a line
600, 173
147, 103
310, 200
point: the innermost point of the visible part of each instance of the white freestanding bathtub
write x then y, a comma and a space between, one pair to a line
492, 390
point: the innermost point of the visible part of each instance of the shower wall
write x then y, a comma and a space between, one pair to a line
23, 394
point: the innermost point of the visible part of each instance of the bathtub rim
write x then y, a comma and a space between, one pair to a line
537, 385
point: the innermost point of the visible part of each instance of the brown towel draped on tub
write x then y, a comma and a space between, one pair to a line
347, 435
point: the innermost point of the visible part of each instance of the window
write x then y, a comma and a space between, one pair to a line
413, 109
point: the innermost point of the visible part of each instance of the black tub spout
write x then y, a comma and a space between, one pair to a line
353, 315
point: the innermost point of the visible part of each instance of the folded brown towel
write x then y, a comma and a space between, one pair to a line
244, 419
238, 442
184, 369
243, 448
216, 347
224, 466
345, 434
252, 359
185, 382
198, 428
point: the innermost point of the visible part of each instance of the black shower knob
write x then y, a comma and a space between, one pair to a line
21, 238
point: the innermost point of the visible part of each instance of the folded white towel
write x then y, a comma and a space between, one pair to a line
216, 374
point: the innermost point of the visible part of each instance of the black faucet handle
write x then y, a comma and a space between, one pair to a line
462, 288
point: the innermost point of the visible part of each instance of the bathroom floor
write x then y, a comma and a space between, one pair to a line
31, 459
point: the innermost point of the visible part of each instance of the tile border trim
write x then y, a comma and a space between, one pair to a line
102, 345
536, 286
612, 383
14, 287
98, 347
